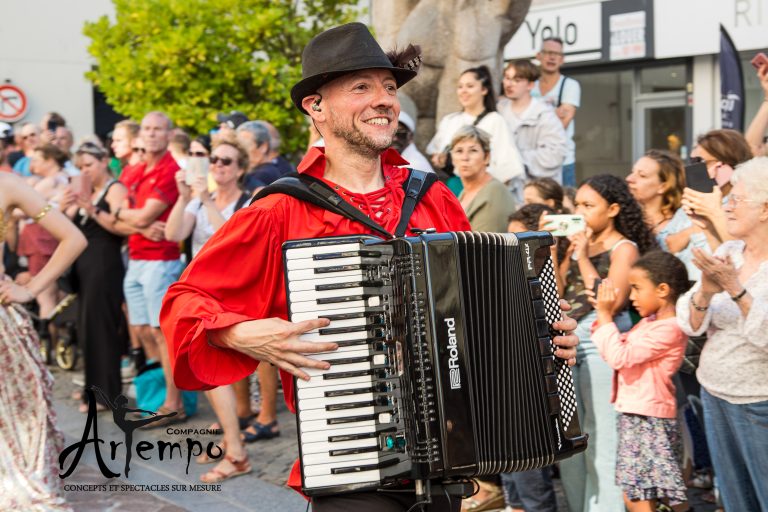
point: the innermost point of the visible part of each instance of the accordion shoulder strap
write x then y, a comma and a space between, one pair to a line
315, 191
416, 186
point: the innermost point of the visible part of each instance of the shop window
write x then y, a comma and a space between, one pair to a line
603, 131
662, 79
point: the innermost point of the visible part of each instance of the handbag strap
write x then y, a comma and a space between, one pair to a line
480, 117
315, 191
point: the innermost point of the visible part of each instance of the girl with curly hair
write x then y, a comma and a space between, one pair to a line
616, 235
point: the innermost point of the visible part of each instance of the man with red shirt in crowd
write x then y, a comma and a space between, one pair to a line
228, 311
153, 262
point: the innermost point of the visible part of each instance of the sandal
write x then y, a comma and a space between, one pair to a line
261, 432
204, 458
179, 417
493, 500
242, 423
241, 467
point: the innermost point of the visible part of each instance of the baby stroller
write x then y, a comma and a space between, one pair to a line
64, 348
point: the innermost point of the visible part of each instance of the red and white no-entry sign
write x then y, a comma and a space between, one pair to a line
13, 103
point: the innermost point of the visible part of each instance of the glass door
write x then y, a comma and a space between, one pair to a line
660, 123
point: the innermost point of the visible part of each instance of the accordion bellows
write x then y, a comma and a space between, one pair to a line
445, 367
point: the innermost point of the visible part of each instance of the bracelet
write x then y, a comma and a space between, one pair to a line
43, 213
696, 306
738, 296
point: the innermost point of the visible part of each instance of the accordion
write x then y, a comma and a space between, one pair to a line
445, 366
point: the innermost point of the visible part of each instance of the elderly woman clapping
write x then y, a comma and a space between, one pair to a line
730, 303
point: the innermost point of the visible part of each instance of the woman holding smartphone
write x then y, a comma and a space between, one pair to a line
201, 216
99, 272
616, 235
721, 151
29, 440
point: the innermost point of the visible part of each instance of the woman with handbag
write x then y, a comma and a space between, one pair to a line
29, 440
99, 273
478, 103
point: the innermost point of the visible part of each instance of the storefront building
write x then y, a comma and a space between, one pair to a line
648, 70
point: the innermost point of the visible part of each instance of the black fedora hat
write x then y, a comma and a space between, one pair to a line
339, 51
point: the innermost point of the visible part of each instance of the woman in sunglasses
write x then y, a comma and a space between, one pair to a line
721, 151
200, 213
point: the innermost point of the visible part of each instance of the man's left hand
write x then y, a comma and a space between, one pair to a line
566, 344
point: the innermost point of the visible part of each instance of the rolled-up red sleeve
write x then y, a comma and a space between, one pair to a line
237, 276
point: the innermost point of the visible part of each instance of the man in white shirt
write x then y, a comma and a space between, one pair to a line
536, 129
563, 93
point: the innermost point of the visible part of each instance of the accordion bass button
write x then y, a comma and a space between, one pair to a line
550, 382
535, 286
549, 365
545, 346
554, 404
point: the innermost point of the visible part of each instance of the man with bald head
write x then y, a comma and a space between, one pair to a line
221, 322
153, 262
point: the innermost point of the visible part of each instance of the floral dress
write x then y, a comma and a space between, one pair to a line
29, 440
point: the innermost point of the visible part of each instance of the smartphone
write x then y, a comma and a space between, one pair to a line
565, 225
196, 167
596, 285
52, 125
697, 178
759, 60
81, 186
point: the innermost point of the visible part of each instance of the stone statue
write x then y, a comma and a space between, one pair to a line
454, 35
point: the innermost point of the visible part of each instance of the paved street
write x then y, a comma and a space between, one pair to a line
262, 490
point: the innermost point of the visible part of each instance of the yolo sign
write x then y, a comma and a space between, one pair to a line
578, 27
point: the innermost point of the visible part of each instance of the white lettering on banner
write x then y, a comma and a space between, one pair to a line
627, 35
453, 354
578, 27
528, 259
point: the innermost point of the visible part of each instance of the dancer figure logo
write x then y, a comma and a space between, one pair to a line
119, 411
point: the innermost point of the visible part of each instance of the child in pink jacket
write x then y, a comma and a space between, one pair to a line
644, 361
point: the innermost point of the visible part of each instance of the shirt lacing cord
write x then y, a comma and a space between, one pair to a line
378, 205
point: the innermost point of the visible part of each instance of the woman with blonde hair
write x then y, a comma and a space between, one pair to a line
200, 213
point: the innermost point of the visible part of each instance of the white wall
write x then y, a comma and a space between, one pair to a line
45, 54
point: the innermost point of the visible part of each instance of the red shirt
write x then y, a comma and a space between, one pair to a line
238, 274
159, 183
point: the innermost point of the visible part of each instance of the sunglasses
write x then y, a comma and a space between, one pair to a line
200, 154
91, 149
224, 160
138, 150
